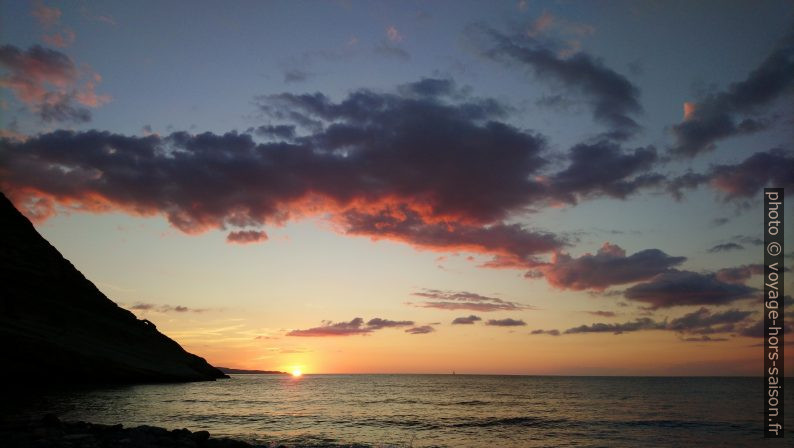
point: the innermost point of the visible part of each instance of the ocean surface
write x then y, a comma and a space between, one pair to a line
436, 410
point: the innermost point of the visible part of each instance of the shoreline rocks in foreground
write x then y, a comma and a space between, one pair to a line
50, 432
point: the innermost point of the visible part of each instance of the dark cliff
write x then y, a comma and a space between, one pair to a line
57, 327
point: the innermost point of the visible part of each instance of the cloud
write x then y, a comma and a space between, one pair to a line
462, 300
283, 132
164, 308
746, 239
246, 236
734, 110
703, 338
703, 321
678, 288
466, 320
644, 323
30, 71
378, 323
424, 329
725, 247
748, 178
756, 329
389, 50
721, 221
609, 266
49, 83
374, 164
548, 332
61, 107
743, 180
61, 39
46, 16
603, 313
506, 322
514, 243
604, 169
739, 274
393, 34
541, 24
354, 327
296, 75
613, 98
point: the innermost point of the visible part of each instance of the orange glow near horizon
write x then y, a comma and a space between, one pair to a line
297, 373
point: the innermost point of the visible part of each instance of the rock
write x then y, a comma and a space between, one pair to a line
51, 420
57, 327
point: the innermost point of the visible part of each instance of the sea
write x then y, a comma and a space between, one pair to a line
435, 410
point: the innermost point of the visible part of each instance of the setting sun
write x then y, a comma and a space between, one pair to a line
296, 373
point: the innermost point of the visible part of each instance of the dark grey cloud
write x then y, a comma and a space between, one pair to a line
609, 266
407, 165
678, 288
548, 332
164, 308
378, 323
721, 221
327, 329
462, 300
704, 338
739, 274
605, 169
354, 327
644, 323
743, 180
379, 164
62, 107
424, 329
746, 239
468, 320
390, 50
735, 110
725, 247
282, 132
508, 322
613, 98
756, 329
703, 321
695, 326
603, 313
296, 75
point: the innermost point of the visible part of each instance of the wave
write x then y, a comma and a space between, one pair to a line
536, 422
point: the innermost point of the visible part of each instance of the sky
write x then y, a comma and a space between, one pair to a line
519, 187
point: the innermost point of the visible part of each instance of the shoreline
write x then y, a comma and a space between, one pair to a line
50, 431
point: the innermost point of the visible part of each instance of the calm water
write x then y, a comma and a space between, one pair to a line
438, 410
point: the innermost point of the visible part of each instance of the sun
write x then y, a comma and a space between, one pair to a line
296, 373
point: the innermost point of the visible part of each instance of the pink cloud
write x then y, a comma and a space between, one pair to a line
246, 237
394, 34
49, 83
60, 39
45, 15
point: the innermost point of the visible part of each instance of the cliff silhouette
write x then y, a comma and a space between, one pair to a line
57, 327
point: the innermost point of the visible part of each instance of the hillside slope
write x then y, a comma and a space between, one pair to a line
56, 326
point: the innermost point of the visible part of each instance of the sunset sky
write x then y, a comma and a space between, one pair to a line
519, 187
